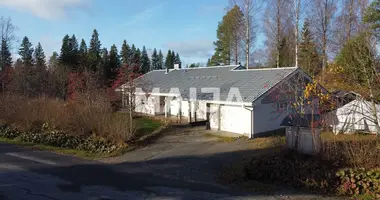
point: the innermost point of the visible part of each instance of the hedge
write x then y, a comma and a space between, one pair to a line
92, 143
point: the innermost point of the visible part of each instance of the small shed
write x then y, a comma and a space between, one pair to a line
356, 116
303, 133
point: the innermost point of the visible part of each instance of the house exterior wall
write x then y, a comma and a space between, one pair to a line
267, 117
231, 118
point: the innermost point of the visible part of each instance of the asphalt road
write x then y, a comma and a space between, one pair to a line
38, 175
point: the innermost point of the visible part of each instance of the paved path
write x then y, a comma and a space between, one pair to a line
167, 169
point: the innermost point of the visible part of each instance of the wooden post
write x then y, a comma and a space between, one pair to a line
166, 107
195, 110
180, 110
219, 117
189, 110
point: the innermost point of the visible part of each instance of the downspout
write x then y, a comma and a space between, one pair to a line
252, 119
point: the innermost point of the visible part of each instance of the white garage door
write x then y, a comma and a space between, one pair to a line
235, 119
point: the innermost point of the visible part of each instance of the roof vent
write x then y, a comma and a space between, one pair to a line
166, 71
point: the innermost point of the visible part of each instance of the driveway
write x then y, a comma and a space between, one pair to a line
184, 164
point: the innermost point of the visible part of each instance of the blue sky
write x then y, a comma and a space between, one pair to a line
188, 27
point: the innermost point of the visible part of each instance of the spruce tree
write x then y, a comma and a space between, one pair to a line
64, 57
208, 62
82, 56
308, 55
125, 53
155, 60
161, 63
168, 60
114, 64
39, 56
145, 62
177, 59
173, 59
94, 51
136, 61
104, 64
74, 56
5, 55
26, 52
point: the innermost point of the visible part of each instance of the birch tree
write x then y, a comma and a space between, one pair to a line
323, 15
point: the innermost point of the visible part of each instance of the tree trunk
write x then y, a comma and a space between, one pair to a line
247, 33
278, 38
297, 9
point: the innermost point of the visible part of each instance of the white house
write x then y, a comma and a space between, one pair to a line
357, 115
230, 98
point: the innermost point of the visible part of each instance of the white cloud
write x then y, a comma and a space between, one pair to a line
46, 9
200, 48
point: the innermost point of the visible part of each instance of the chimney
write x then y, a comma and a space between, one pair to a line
177, 66
166, 71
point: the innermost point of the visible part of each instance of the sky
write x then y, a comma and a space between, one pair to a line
187, 27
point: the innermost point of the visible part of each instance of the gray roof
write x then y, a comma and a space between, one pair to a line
251, 83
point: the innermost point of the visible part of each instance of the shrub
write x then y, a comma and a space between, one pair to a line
92, 143
359, 181
86, 116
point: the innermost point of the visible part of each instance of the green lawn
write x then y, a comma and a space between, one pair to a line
329, 136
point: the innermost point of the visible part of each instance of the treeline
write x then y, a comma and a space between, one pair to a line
304, 33
76, 66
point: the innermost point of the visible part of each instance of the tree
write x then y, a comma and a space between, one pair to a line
26, 52
125, 53
228, 36
7, 36
277, 25
177, 59
83, 56
39, 56
308, 54
155, 60
173, 59
194, 65
114, 63
250, 10
161, 64
64, 57
94, 52
357, 61
5, 55
53, 60
208, 62
104, 64
168, 60
324, 11
372, 17
73, 53
145, 61
136, 61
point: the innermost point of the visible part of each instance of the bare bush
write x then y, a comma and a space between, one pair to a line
84, 116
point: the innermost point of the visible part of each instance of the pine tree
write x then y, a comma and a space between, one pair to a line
39, 56
125, 53
308, 54
64, 57
26, 52
155, 60
5, 55
82, 56
145, 61
372, 17
168, 60
132, 53
114, 64
94, 51
161, 63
